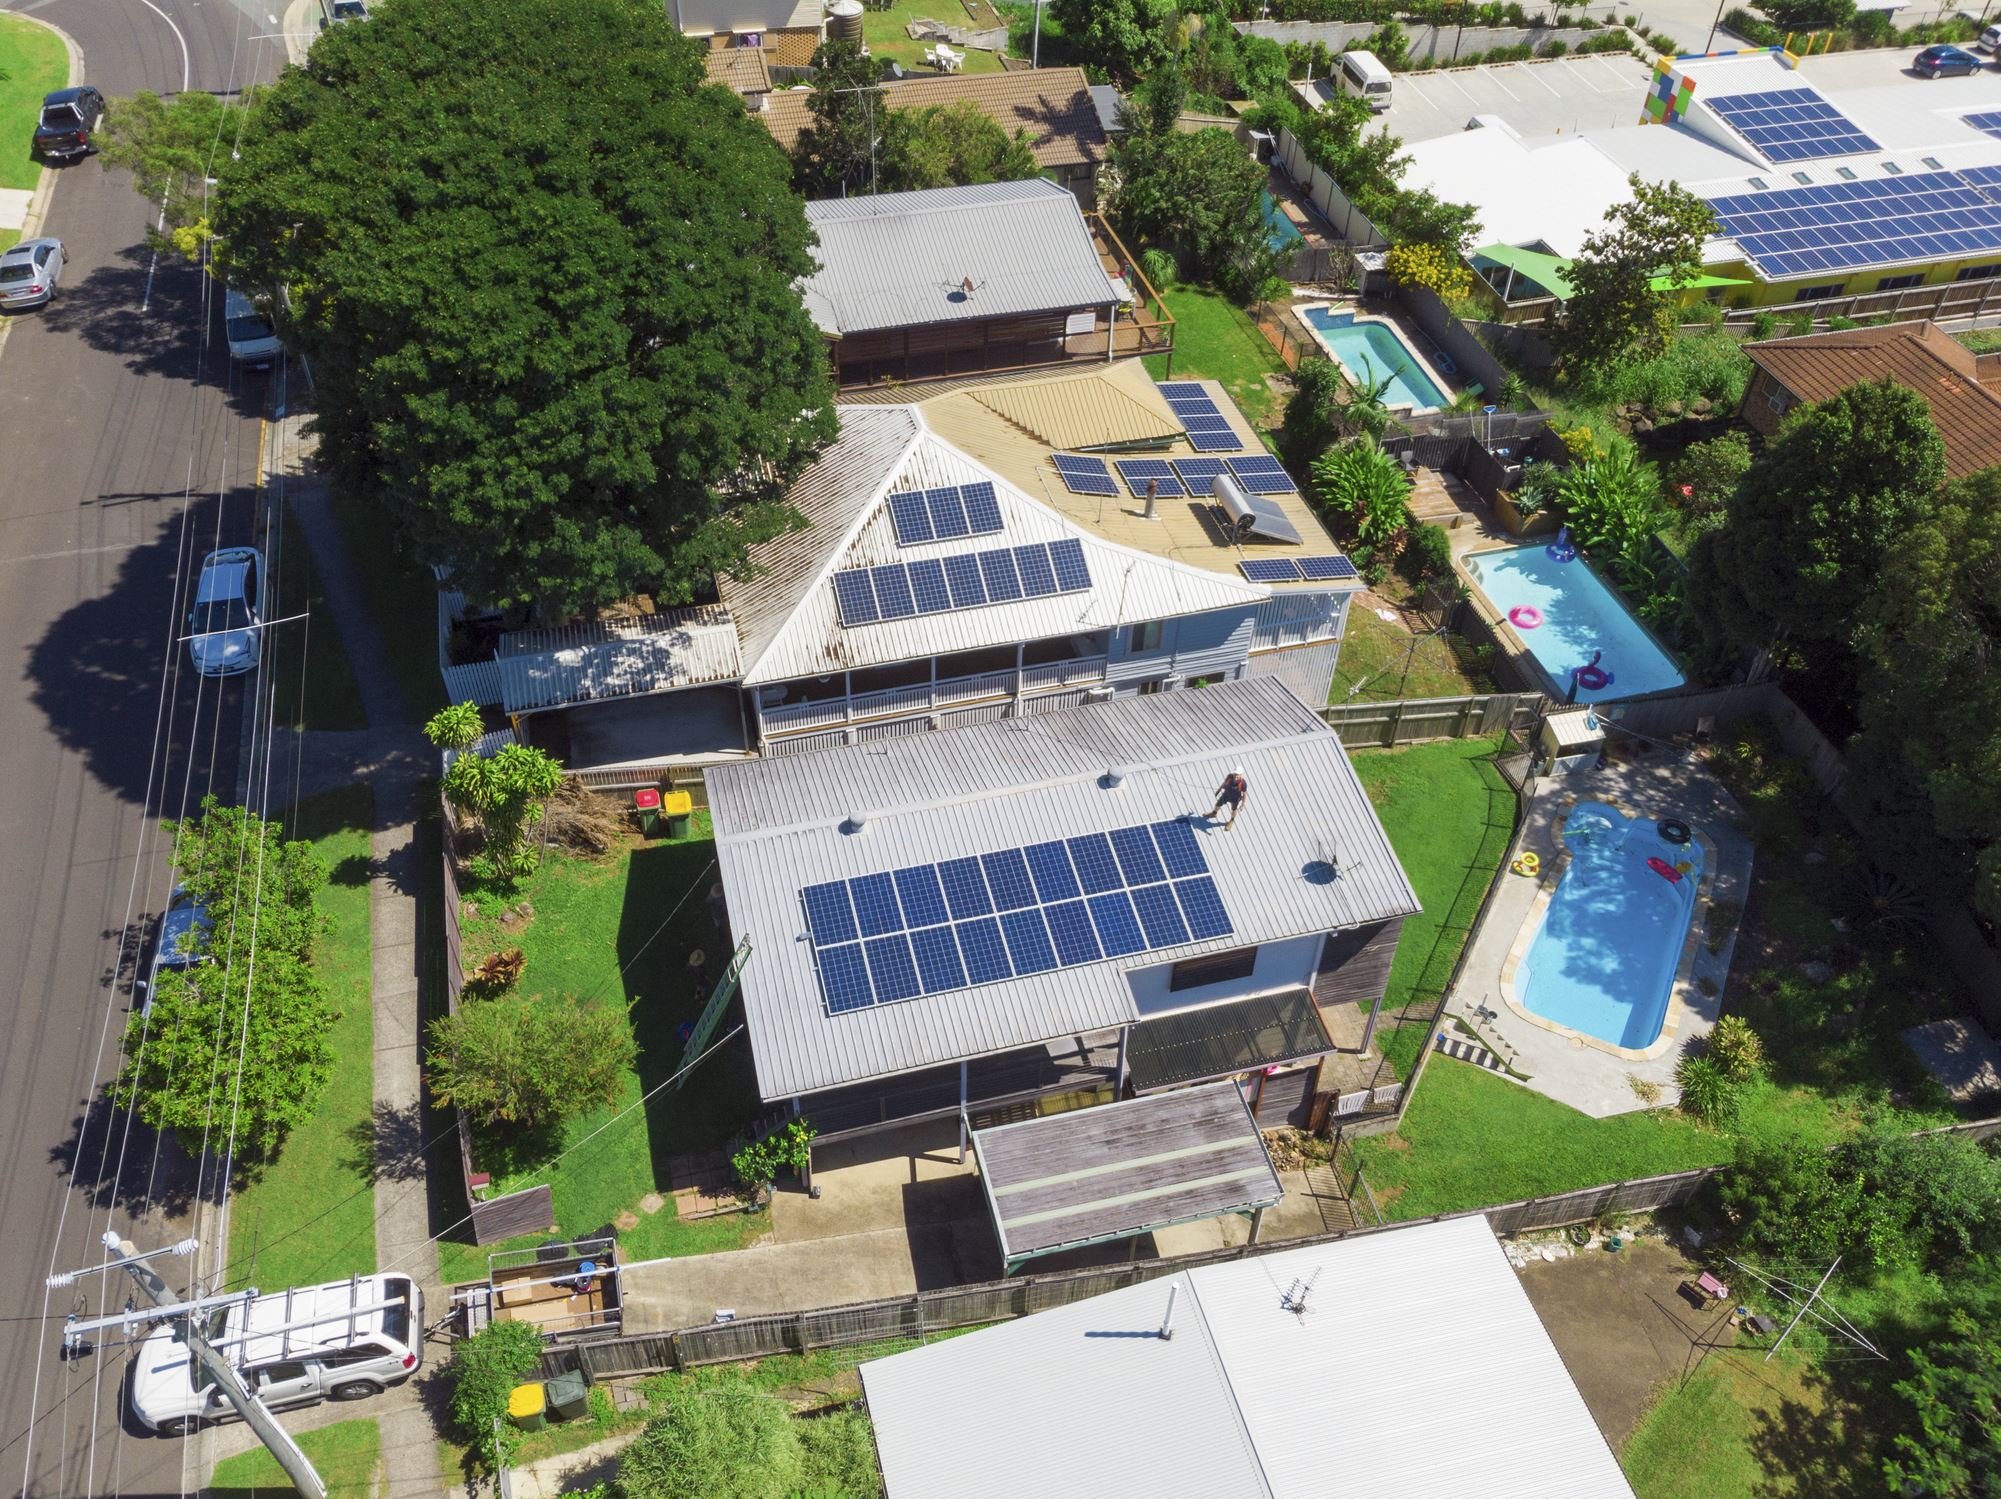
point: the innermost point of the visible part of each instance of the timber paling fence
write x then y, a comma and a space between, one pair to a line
1408, 720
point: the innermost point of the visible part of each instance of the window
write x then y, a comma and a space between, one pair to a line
1893, 169
1146, 637
1216, 968
1148, 689
1898, 283
1846, 174
1803, 179
1933, 163
282, 1373
1779, 399
1760, 183
1817, 293
1979, 273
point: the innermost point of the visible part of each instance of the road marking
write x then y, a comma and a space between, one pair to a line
1495, 79
1531, 72
122, 546
187, 69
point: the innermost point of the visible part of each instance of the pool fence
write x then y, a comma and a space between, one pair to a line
1412, 720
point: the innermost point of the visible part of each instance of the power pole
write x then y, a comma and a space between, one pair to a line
166, 1306
1035, 47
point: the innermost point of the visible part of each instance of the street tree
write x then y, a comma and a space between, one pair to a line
840, 152
546, 280
1129, 39
170, 146
1615, 313
951, 145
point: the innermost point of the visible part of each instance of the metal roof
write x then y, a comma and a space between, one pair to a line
1308, 856
1417, 1366
616, 658
1123, 1169
1219, 1040
900, 260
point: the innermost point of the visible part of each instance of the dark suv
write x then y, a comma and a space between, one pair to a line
68, 117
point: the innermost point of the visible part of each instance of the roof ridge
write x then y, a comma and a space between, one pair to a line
1222, 1365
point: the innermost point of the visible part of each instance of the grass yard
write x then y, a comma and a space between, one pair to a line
1981, 340
315, 686
311, 1215
403, 598
620, 930
1378, 663
1215, 339
347, 1454
33, 62
884, 31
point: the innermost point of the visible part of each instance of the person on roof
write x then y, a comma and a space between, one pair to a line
1231, 794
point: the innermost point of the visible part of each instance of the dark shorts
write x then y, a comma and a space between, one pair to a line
1231, 799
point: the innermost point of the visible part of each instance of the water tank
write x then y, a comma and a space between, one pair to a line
1236, 504
844, 21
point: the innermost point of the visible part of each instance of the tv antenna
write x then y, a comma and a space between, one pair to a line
1295, 1297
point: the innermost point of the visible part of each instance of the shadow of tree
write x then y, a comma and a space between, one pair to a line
355, 869
138, 1172
1823, 1446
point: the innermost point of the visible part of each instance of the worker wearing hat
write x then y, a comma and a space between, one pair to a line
1231, 794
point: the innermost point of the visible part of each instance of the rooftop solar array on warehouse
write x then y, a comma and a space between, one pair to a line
938, 585
1988, 123
944, 514
1880, 221
1791, 124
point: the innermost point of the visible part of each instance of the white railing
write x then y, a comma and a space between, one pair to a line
799, 717
1351, 1103
891, 700
805, 715
966, 689
1063, 673
472, 681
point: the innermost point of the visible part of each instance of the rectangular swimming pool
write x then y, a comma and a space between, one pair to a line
1369, 350
1569, 620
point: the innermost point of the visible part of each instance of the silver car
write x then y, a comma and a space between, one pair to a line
29, 273
185, 930
224, 624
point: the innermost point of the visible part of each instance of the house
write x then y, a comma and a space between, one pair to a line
744, 71
1959, 386
962, 922
1404, 1361
1054, 105
786, 32
958, 280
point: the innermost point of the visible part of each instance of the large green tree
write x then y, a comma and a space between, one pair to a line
1954, 1395
1616, 313
951, 145
546, 282
841, 151
1198, 190
1127, 38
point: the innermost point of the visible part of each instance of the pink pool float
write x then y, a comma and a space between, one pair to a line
1525, 616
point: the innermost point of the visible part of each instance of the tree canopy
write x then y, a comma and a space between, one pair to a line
1127, 38
1615, 314
951, 145
546, 281
839, 153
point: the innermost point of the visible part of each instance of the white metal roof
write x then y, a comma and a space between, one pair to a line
1418, 1367
781, 826
616, 658
900, 260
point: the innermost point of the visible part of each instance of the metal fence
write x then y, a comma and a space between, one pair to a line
1409, 720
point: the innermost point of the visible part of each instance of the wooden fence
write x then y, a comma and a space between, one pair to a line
1409, 720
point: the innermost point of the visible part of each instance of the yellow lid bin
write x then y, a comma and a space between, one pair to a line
525, 1407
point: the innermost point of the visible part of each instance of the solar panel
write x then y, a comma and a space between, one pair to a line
828, 913
1987, 123
1179, 849
927, 586
856, 597
1160, 916
982, 508
1203, 907
1003, 582
948, 513
965, 888
844, 978
938, 963
1084, 475
1261, 474
1198, 473
1133, 848
892, 969
1173, 388
1072, 572
1038, 576
911, 516
1049, 867
1027, 938
934, 585
1118, 928
985, 953
1137, 471
962, 577
1845, 225
1007, 878
1796, 124
918, 890
1216, 423
1070, 929
1215, 442
1327, 569
876, 910
1270, 569
1097, 867
892, 591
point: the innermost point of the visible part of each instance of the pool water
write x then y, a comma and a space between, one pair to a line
1581, 620
1604, 960
1280, 232
1369, 351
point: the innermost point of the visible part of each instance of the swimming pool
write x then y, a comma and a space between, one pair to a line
1604, 960
1280, 232
1568, 618
1371, 350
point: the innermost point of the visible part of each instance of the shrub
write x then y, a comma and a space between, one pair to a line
1707, 1091
1579, 440
726, 1442
530, 1062
1753, 27
1736, 1050
1840, 324
1538, 489
1429, 554
1800, 324
758, 1163
483, 1372
1312, 412
1370, 487
1159, 267
496, 973
1613, 504
1693, 366
1702, 480
1555, 48
1667, 46
1431, 267
1764, 325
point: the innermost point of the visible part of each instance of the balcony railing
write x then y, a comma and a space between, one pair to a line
793, 718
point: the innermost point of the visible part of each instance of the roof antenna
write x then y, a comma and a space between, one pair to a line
1167, 1317
1295, 1298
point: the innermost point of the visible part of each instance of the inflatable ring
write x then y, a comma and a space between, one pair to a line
1528, 864
1592, 678
1525, 616
1674, 830
1561, 552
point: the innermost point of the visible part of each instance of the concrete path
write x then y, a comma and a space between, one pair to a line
570, 1472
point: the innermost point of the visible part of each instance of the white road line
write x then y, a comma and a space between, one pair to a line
1530, 71
123, 546
1495, 79
187, 69
1619, 85
1444, 78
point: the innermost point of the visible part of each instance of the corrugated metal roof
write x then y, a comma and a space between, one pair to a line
1418, 1366
617, 658
899, 260
779, 828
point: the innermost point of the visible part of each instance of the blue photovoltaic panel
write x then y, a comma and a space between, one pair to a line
1028, 942
892, 591
1262, 475
1791, 125
1137, 860
1049, 867
1216, 423
1070, 929
856, 597
923, 901
844, 978
1003, 582
948, 514
965, 888
875, 904
1199, 473
1160, 916
1203, 907
1180, 849
982, 508
921, 515
985, 953
911, 516
1096, 865
1326, 569
1072, 572
1270, 569
1215, 442
1182, 388
962, 576
1084, 475
1136, 472
927, 586
891, 969
828, 913
1988, 123
938, 965
1118, 928
1809, 231
1007, 877
1038, 576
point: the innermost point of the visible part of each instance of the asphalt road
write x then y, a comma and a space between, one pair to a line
127, 450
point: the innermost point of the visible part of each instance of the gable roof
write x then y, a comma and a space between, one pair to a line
1053, 105
900, 260
1921, 356
742, 70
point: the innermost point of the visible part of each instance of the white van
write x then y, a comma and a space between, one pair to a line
1363, 75
251, 339
342, 1341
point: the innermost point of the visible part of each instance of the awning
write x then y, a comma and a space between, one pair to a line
1123, 1169
1551, 272
1188, 1046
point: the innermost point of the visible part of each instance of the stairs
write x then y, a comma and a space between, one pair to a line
1462, 1050
1323, 1185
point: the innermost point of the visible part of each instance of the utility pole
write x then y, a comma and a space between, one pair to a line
165, 1307
1035, 47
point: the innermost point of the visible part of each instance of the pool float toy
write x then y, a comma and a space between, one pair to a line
1561, 549
1665, 870
1674, 830
1529, 864
1525, 616
1591, 676
1683, 865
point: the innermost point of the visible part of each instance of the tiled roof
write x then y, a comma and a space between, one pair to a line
739, 69
1920, 355
1052, 104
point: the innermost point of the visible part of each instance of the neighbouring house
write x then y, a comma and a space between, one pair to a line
960, 924
785, 33
744, 71
1054, 105
1405, 1361
954, 281
1958, 385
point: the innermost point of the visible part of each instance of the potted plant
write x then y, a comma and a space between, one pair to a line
1527, 511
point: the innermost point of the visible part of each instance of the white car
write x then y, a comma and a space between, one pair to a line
1990, 39
345, 1340
223, 626
252, 340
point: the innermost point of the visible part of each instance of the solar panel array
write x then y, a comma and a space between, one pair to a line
1137, 471
1792, 124
960, 923
1209, 431
945, 514
1082, 474
1295, 570
1837, 227
1262, 474
938, 585
1988, 123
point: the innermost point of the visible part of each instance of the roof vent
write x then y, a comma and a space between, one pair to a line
857, 820
1114, 778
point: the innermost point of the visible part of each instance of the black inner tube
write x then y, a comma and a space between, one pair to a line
1674, 831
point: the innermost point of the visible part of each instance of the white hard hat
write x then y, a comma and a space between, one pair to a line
1237, 770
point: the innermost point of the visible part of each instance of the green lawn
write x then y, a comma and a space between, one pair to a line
1215, 339
402, 596
590, 920
1379, 663
311, 1215
348, 1455
308, 654
1981, 340
33, 62
887, 39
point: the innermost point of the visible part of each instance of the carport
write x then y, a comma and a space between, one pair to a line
1124, 1169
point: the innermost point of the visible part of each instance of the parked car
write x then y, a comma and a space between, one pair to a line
223, 625
332, 12
345, 1340
1990, 39
1945, 61
69, 115
183, 942
252, 340
29, 273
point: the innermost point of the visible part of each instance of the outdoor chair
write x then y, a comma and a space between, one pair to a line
1712, 1289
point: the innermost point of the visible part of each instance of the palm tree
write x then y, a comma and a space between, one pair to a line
1362, 409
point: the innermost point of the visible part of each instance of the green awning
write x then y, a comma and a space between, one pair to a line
1548, 271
